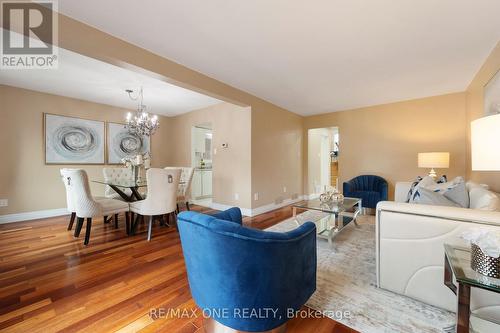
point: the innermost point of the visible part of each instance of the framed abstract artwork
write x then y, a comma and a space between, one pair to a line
121, 143
492, 95
70, 140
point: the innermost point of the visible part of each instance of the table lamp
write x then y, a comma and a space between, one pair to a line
485, 140
439, 160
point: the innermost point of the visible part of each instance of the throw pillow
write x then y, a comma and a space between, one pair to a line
429, 197
459, 195
443, 179
444, 187
412, 188
426, 182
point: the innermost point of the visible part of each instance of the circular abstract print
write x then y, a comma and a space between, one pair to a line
128, 144
75, 141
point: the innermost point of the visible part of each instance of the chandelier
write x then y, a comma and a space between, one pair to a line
141, 122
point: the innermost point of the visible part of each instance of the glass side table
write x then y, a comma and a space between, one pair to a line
457, 264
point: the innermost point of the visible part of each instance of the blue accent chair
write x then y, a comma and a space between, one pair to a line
371, 189
231, 267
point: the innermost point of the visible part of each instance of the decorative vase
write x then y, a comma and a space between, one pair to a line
324, 197
483, 263
336, 196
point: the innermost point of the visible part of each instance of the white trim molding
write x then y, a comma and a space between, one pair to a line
218, 206
41, 214
273, 206
26, 216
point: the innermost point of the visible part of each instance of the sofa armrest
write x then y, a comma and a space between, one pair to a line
401, 191
409, 252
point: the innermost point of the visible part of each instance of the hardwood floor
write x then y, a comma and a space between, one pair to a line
51, 282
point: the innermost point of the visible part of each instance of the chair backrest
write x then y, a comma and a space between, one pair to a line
84, 203
368, 182
227, 262
117, 175
69, 197
186, 179
162, 191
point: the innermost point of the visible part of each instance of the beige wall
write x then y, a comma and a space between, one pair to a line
25, 180
475, 110
276, 133
384, 140
276, 155
231, 166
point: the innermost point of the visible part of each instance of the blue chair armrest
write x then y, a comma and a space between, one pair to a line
231, 215
347, 187
383, 190
300, 232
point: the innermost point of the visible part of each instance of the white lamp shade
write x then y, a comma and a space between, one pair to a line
485, 143
440, 160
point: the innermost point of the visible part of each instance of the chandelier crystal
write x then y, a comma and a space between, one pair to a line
141, 123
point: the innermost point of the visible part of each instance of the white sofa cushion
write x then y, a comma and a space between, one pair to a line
482, 199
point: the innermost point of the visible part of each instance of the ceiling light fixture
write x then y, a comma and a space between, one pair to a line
141, 123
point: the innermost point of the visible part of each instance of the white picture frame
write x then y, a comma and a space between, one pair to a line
71, 140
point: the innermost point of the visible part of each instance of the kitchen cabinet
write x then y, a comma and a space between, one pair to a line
202, 183
196, 185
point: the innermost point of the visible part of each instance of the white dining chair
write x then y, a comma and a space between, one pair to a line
88, 207
184, 190
161, 196
69, 198
116, 175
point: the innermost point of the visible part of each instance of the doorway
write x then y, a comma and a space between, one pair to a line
201, 161
323, 152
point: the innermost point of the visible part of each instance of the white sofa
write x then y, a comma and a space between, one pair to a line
410, 253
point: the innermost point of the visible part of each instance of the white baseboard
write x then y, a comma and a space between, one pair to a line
218, 206
273, 206
39, 214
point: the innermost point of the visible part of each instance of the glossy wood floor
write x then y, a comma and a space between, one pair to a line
51, 282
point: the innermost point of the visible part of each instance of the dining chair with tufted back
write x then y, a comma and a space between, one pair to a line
87, 206
116, 175
161, 196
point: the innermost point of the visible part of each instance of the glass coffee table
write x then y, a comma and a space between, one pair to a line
339, 215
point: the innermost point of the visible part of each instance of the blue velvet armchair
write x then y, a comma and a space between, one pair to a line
371, 189
232, 268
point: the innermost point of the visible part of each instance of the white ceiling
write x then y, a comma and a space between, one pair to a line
312, 56
89, 79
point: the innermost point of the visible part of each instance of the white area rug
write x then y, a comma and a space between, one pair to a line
346, 281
